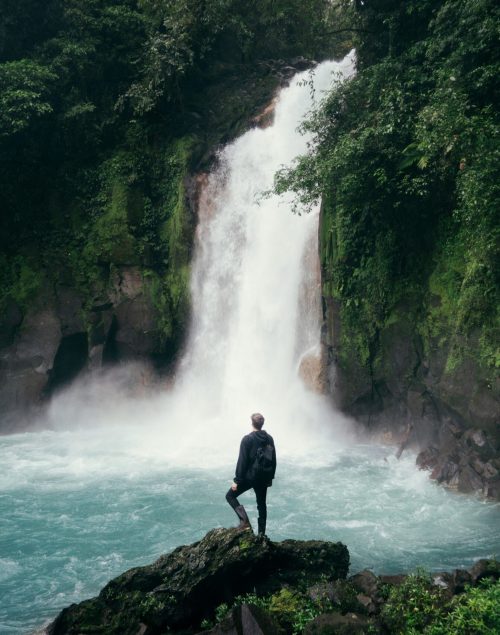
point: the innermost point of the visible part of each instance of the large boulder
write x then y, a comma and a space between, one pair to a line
182, 588
337, 624
25, 365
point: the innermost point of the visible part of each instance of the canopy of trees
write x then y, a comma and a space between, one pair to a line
77, 77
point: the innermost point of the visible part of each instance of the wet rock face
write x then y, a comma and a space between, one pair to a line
181, 589
454, 414
467, 460
58, 337
312, 372
26, 363
124, 322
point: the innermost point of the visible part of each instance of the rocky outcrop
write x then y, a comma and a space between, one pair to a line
466, 460
365, 610
181, 589
46, 346
452, 413
32, 341
234, 583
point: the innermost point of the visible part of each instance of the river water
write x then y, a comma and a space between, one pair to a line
108, 481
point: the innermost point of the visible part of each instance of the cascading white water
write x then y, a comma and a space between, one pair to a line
117, 480
252, 325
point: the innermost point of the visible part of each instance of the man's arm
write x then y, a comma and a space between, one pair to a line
274, 458
242, 464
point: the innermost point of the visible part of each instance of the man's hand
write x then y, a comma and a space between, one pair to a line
234, 486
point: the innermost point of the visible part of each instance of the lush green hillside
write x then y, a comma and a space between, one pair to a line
407, 160
105, 106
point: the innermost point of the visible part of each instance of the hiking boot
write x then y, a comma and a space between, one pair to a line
242, 515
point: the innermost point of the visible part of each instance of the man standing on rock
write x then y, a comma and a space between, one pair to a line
255, 469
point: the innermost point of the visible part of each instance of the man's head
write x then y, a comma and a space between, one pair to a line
257, 420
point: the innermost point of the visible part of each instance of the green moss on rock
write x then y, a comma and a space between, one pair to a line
181, 589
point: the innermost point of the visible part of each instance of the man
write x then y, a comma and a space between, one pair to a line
255, 469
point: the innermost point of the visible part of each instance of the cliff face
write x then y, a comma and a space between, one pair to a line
109, 294
413, 393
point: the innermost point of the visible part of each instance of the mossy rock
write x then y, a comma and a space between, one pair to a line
182, 588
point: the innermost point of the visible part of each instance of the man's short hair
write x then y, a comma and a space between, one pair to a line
257, 420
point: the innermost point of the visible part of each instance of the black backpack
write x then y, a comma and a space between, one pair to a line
261, 470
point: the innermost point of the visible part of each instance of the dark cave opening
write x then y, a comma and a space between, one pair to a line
70, 360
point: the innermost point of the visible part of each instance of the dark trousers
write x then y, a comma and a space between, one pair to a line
260, 494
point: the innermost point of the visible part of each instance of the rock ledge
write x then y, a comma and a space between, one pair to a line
182, 588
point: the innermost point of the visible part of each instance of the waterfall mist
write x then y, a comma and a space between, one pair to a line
117, 473
255, 314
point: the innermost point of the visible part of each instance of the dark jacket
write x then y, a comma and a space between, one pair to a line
248, 450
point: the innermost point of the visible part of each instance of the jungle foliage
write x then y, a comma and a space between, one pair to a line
415, 606
81, 80
405, 157
105, 106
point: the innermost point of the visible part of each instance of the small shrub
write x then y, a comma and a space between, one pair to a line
221, 611
475, 612
417, 606
19, 280
413, 605
292, 609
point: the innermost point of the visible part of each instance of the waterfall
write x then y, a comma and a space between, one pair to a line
112, 481
254, 339
256, 283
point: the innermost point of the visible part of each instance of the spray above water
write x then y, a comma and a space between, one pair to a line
255, 330
252, 326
